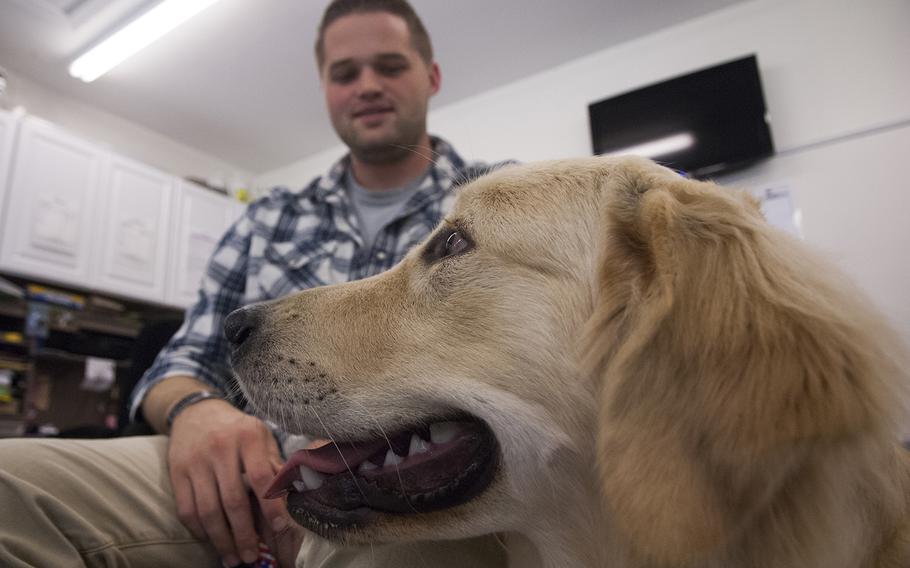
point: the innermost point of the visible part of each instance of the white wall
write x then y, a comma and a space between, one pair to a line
830, 68
855, 202
125, 137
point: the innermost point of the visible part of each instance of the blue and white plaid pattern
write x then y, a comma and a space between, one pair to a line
294, 240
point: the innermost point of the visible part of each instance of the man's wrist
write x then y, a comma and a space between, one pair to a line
187, 401
163, 395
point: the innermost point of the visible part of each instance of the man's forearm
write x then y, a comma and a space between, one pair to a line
163, 396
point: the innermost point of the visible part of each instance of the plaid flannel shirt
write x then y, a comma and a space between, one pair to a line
290, 241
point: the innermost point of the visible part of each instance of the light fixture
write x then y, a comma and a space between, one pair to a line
659, 147
134, 36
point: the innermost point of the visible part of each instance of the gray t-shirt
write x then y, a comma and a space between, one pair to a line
376, 209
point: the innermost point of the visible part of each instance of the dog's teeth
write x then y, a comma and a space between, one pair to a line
418, 446
442, 432
299, 486
391, 458
367, 465
296, 442
312, 479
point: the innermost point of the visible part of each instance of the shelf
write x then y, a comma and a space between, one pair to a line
92, 322
13, 344
16, 363
12, 308
100, 323
47, 353
49, 373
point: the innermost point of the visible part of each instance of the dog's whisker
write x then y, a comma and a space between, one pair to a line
299, 423
497, 538
389, 443
268, 409
232, 387
340, 453
458, 179
413, 148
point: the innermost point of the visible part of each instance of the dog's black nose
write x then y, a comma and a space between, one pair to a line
240, 325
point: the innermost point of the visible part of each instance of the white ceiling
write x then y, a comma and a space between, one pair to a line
239, 81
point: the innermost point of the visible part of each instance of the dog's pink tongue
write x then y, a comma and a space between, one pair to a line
328, 459
335, 458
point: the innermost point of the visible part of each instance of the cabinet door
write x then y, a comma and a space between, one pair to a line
133, 233
51, 205
9, 121
201, 220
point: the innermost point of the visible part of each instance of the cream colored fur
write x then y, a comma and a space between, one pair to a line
672, 382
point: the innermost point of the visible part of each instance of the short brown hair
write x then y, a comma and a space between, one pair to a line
420, 39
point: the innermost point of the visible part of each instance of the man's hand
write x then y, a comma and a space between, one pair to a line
214, 448
283, 536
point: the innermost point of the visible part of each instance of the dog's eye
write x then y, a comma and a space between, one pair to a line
445, 244
456, 244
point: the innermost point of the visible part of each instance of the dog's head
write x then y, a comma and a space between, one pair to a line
596, 334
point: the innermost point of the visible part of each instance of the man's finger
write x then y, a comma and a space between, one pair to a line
283, 537
238, 509
211, 516
261, 463
186, 506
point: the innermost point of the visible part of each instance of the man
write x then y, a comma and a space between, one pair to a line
378, 74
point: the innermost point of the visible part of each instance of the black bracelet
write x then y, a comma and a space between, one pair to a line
189, 400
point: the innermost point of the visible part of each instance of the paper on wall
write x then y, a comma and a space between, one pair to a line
777, 207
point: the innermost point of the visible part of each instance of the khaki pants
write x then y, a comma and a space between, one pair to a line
92, 503
69, 503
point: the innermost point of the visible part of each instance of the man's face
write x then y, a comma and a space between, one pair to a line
377, 87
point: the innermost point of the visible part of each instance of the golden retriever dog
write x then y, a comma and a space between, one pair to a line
599, 358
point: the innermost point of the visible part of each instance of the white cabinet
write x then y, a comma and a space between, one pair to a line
48, 232
79, 215
131, 243
200, 220
9, 121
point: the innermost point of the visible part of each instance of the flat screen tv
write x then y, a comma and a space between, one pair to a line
703, 123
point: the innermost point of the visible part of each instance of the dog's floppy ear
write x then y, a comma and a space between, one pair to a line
724, 350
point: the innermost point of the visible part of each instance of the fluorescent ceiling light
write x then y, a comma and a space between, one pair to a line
659, 147
134, 36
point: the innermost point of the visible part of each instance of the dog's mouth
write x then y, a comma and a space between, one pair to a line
346, 485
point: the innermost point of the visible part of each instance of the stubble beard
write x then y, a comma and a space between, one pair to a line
395, 147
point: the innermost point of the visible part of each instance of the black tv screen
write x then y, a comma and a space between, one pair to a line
702, 123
